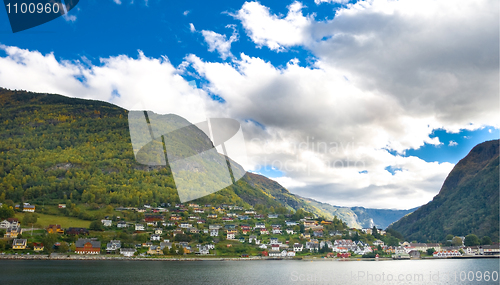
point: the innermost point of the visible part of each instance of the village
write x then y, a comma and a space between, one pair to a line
194, 230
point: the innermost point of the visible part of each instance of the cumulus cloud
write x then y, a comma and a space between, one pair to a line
273, 31
119, 2
452, 143
331, 1
412, 68
143, 83
218, 42
191, 27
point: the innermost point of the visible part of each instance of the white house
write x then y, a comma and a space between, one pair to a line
297, 247
106, 222
155, 237
139, 227
127, 252
290, 254
290, 231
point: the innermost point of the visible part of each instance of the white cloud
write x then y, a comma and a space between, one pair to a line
412, 67
143, 83
219, 43
274, 31
331, 1
119, 2
452, 143
185, 13
191, 27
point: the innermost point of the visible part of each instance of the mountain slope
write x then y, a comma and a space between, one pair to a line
468, 201
54, 149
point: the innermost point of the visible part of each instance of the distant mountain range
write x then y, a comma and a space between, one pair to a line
54, 148
467, 202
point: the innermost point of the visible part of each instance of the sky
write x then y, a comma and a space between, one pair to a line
353, 103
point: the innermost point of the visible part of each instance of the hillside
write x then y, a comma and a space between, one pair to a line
467, 202
55, 149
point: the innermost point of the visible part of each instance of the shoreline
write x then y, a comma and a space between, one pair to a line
121, 258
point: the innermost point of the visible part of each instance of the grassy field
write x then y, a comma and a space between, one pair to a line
65, 222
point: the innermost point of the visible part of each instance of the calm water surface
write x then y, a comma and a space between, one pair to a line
483, 271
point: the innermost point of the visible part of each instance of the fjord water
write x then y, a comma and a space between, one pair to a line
454, 271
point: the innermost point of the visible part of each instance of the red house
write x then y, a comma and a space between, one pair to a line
88, 246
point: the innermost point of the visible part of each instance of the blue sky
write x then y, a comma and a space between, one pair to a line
394, 88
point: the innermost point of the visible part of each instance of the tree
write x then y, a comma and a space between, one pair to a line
96, 226
430, 251
30, 218
471, 240
6, 212
48, 241
456, 241
165, 250
449, 237
64, 247
173, 249
486, 240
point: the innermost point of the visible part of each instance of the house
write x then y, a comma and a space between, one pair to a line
19, 243
121, 224
272, 216
214, 227
155, 237
252, 238
13, 232
106, 223
297, 247
264, 231
61, 206
203, 250
155, 250
318, 234
274, 241
309, 224
29, 208
276, 231
194, 230
274, 254
158, 231
139, 227
231, 234
37, 247
214, 232
381, 243
77, 231
185, 225
312, 246
414, 254
5, 224
290, 223
290, 254
241, 239
147, 244
305, 236
275, 247
55, 229
491, 249
88, 246
177, 232
113, 245
166, 243
260, 226
127, 252
200, 221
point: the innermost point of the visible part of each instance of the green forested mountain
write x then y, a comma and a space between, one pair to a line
467, 202
55, 149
